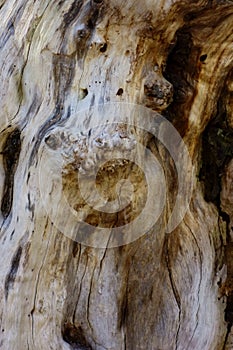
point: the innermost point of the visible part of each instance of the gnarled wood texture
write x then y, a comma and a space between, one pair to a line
162, 291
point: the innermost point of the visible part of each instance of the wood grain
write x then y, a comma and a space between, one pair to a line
162, 291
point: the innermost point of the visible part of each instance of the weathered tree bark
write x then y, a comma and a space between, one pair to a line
60, 60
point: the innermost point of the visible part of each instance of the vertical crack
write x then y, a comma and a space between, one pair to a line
200, 280
174, 289
89, 296
36, 287
79, 293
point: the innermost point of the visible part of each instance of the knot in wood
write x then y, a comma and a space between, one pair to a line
158, 91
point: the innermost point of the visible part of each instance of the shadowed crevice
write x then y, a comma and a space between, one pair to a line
217, 150
75, 337
182, 72
73, 12
10, 152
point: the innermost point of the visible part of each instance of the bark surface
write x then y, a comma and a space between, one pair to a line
160, 291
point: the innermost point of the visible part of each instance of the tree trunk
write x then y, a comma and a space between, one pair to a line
116, 231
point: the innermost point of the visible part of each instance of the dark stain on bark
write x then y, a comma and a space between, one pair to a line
31, 207
63, 71
229, 291
58, 118
217, 150
182, 72
73, 12
123, 311
12, 234
75, 337
104, 47
9, 31
76, 248
86, 17
10, 278
11, 151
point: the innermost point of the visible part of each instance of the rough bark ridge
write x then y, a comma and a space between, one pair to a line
160, 292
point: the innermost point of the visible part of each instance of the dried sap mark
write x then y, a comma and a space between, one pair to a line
11, 151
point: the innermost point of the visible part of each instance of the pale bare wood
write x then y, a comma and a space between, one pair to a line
162, 291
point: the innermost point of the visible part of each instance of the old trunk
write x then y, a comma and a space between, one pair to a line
116, 231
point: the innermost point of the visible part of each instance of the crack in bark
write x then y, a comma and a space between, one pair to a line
199, 284
25, 63
36, 287
88, 298
72, 332
174, 289
105, 251
79, 293
123, 309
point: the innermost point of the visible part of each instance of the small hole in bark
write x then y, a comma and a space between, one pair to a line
120, 92
127, 52
82, 33
104, 48
203, 58
83, 93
